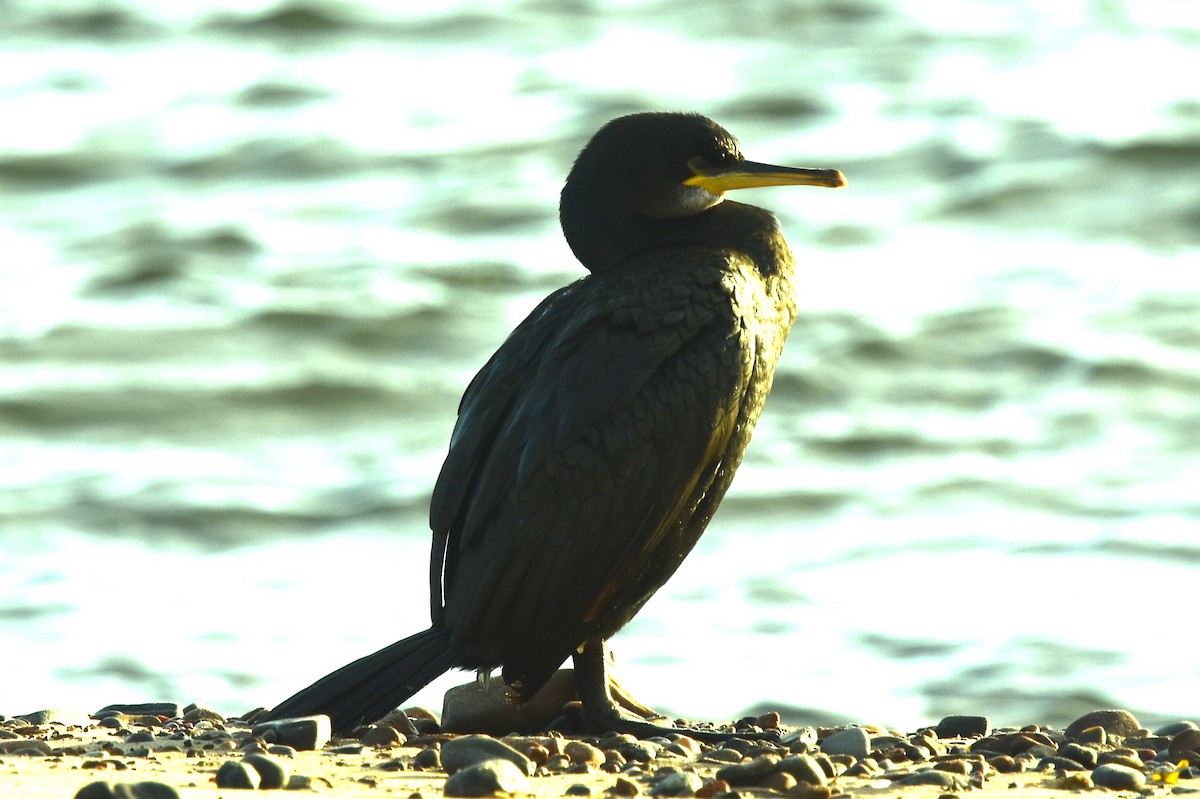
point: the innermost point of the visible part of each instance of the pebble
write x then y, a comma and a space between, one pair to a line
196, 713
578, 789
470, 708
305, 733
679, 783
124, 790
583, 752
169, 710
640, 751
272, 772
1187, 740
399, 721
804, 768
1084, 755
741, 775
25, 746
1175, 728
625, 787
1059, 763
1120, 757
238, 774
780, 782
853, 741
941, 779
963, 727
485, 779
1118, 778
1114, 722
469, 750
56, 715
722, 755
382, 737
428, 760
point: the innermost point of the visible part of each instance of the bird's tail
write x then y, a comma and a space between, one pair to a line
367, 689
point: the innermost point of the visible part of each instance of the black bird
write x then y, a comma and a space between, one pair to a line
593, 448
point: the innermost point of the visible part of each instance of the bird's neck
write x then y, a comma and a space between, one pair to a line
728, 225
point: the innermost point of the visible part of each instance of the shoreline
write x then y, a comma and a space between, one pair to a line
197, 753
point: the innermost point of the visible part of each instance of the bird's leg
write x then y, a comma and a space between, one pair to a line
601, 713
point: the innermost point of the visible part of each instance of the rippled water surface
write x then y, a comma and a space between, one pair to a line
251, 254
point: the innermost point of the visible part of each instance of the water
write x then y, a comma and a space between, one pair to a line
252, 255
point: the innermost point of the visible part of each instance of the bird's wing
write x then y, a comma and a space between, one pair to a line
583, 447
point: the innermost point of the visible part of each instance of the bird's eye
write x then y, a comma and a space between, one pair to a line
698, 165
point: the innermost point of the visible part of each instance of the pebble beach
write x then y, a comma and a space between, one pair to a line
164, 750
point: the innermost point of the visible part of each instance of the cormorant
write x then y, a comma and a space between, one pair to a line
591, 451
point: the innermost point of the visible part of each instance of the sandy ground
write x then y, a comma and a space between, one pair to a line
57, 760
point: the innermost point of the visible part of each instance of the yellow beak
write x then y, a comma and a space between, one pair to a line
751, 175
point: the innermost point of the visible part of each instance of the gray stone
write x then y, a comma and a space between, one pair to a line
1084, 755
197, 713
942, 779
964, 727
1184, 741
56, 715
804, 768
401, 723
742, 775
272, 771
150, 790
1114, 722
853, 741
469, 750
491, 709
25, 746
1060, 763
1175, 728
1118, 778
304, 733
680, 783
722, 755
382, 736
641, 751
238, 774
95, 790
428, 760
486, 779
170, 710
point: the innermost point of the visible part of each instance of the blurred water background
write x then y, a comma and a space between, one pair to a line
251, 254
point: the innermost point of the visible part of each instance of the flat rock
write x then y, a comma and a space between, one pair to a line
170, 710
304, 733
469, 750
964, 727
474, 708
486, 778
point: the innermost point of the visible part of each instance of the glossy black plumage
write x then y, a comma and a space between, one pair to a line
593, 448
